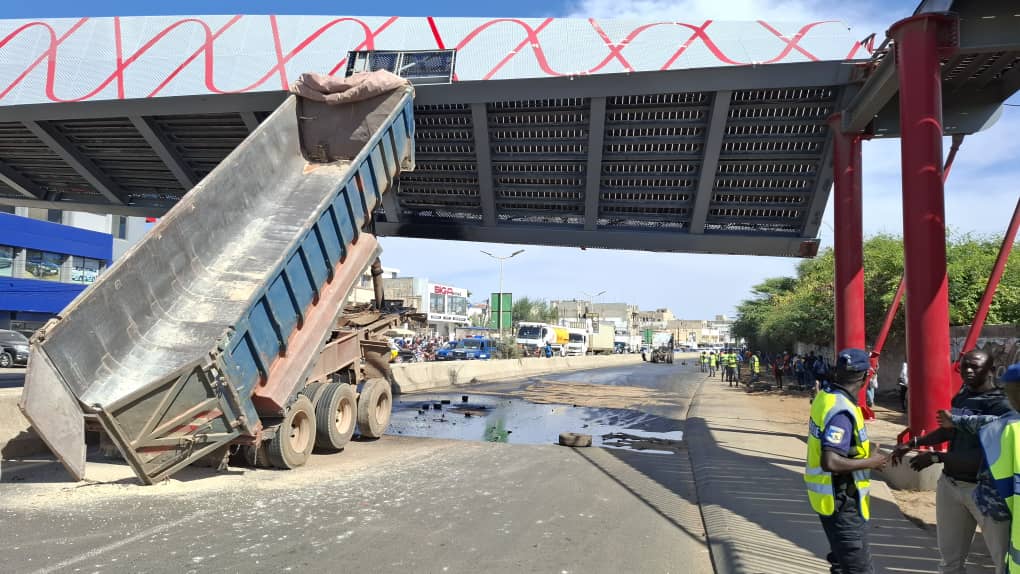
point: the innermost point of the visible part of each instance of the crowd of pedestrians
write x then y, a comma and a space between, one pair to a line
808, 372
419, 348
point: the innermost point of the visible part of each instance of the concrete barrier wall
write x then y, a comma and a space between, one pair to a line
411, 377
17, 438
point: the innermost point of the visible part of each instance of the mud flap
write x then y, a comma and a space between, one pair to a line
54, 412
169, 425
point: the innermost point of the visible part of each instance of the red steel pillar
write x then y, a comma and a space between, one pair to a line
918, 45
849, 242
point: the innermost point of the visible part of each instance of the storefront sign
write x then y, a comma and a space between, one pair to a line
447, 290
443, 317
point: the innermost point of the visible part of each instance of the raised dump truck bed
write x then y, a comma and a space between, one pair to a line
203, 335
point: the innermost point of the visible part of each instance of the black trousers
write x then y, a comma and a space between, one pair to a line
847, 532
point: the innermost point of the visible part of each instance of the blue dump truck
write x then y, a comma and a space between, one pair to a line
472, 348
222, 329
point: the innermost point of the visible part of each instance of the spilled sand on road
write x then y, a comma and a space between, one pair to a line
596, 396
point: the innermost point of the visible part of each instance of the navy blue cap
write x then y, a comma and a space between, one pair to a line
1012, 374
853, 361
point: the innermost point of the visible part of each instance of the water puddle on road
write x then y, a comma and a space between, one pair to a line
501, 419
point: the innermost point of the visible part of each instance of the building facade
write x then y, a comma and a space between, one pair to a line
43, 267
49, 256
445, 306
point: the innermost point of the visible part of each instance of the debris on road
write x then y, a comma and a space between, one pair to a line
575, 439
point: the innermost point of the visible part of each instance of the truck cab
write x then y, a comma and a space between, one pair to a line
577, 344
472, 348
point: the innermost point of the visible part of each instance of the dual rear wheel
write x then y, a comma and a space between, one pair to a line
324, 416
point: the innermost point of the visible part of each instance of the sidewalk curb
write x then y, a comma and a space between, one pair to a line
715, 551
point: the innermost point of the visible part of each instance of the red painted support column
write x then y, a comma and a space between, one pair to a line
849, 242
924, 229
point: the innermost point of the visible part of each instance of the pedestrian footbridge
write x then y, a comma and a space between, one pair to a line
708, 137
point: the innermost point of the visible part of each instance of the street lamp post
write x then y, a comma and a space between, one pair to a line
501, 259
591, 299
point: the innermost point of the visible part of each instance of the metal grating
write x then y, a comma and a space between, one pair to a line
123, 155
203, 141
23, 152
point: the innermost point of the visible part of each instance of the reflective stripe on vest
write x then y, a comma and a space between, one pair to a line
818, 482
1000, 441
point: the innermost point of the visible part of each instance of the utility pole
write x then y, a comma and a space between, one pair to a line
499, 296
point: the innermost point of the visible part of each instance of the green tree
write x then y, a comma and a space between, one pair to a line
785, 310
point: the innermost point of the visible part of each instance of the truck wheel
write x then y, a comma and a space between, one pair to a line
335, 414
295, 436
374, 405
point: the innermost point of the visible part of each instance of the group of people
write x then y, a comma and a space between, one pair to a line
423, 348
809, 371
980, 479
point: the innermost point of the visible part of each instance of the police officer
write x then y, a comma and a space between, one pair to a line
1000, 441
704, 361
839, 463
713, 362
755, 367
731, 368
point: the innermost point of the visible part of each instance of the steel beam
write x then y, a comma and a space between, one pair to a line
800, 74
924, 228
483, 159
593, 172
874, 95
19, 183
777, 246
165, 150
162, 106
710, 160
146, 209
77, 161
250, 121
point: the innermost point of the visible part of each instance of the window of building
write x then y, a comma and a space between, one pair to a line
38, 213
458, 305
437, 303
85, 270
6, 261
54, 216
43, 265
8, 209
120, 226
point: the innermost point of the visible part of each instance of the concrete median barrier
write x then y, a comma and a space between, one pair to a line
412, 377
17, 439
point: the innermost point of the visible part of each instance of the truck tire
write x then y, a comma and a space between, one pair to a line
374, 406
295, 436
335, 416
574, 439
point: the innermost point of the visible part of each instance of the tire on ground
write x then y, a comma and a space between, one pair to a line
575, 439
295, 436
335, 416
374, 407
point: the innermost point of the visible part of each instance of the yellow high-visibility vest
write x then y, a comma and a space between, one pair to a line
819, 482
1001, 442
755, 365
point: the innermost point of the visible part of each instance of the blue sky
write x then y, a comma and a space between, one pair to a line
980, 195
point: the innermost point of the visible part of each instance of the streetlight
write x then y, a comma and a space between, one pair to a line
591, 298
499, 318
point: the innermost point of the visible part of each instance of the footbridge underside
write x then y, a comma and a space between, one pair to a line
716, 160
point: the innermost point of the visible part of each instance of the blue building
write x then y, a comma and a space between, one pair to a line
43, 267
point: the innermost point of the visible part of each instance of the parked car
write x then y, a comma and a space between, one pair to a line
13, 349
42, 268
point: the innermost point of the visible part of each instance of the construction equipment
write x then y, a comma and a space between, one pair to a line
221, 326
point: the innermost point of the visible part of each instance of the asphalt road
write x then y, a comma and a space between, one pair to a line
12, 378
398, 504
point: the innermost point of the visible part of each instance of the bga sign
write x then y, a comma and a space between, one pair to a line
447, 290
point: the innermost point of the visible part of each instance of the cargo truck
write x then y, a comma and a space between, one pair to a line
662, 347
532, 337
223, 328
